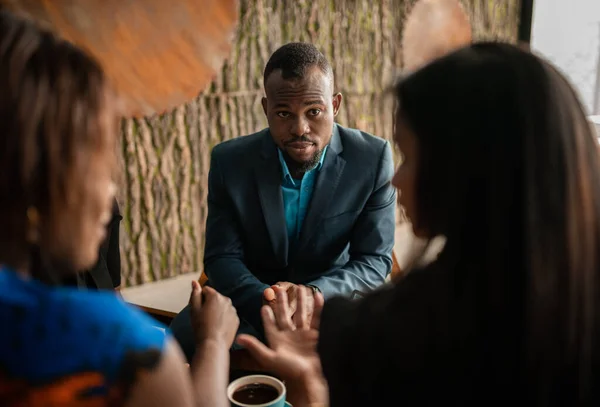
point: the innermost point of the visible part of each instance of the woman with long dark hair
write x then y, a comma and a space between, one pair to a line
499, 158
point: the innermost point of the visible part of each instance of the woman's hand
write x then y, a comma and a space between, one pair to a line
213, 316
293, 347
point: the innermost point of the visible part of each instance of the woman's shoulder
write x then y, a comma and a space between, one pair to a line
105, 312
71, 311
374, 342
395, 316
420, 290
62, 335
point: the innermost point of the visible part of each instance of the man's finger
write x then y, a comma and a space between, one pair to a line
301, 314
269, 294
283, 284
257, 349
319, 301
310, 307
282, 314
292, 293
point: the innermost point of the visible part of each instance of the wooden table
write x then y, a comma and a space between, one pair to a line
162, 299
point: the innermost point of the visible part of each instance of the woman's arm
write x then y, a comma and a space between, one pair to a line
215, 323
167, 385
170, 385
210, 373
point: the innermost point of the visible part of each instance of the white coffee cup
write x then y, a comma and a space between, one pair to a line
258, 379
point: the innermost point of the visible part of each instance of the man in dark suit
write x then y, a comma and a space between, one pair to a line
304, 202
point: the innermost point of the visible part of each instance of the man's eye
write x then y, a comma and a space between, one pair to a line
283, 115
314, 112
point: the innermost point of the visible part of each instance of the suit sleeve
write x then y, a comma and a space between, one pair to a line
224, 253
372, 239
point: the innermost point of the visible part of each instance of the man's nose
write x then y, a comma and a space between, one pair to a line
299, 127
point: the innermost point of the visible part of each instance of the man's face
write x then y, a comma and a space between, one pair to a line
300, 113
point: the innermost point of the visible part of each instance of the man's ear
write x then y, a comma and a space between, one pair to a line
264, 105
337, 102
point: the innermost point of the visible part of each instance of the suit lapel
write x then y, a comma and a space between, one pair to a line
268, 183
325, 187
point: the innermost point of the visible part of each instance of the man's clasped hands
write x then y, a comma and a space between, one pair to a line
291, 317
292, 292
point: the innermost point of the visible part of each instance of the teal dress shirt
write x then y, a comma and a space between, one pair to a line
296, 197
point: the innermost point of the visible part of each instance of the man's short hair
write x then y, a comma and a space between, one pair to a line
294, 59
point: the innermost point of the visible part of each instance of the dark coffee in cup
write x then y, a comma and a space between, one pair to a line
255, 394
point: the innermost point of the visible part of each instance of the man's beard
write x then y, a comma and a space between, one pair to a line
304, 166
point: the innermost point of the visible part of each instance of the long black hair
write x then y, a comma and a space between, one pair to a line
508, 170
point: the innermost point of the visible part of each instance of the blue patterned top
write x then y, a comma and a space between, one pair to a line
62, 346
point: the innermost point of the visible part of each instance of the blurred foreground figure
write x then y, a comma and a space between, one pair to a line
499, 158
62, 346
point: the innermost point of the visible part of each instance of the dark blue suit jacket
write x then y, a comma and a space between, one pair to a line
346, 239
